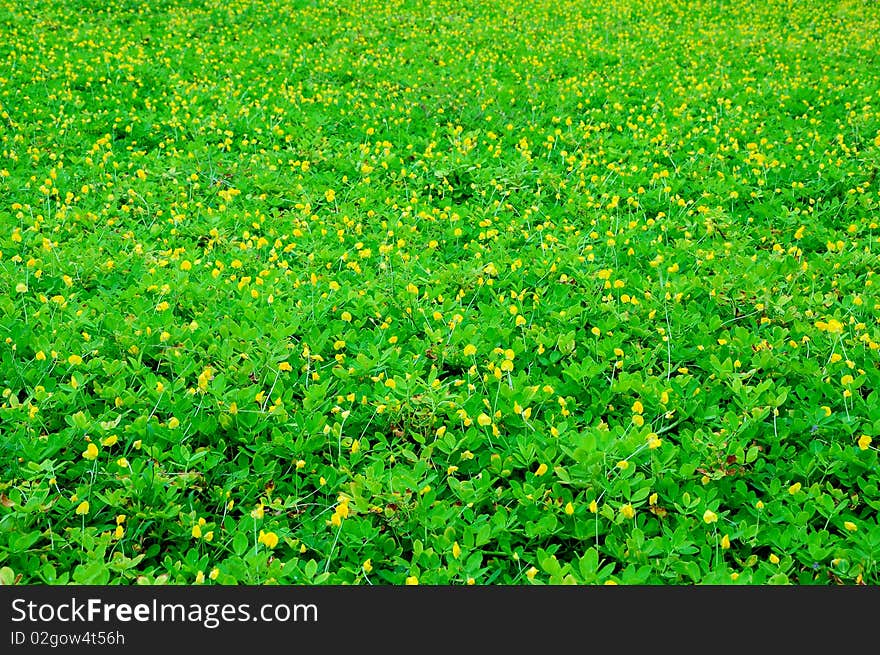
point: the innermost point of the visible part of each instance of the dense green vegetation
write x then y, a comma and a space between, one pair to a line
439, 292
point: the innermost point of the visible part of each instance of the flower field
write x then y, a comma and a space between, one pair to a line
439, 292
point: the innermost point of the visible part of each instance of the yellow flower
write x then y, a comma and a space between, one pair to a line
196, 531
623, 465
456, 550
412, 580
725, 542
541, 470
390, 383
774, 559
214, 573
91, 451
110, 441
849, 525
368, 566
793, 489
173, 422
484, 419
269, 539
709, 516
569, 508
627, 511
119, 532
285, 366
638, 420
594, 506
834, 326
330, 195
531, 573
83, 507
122, 463
864, 442
74, 360
200, 577
637, 407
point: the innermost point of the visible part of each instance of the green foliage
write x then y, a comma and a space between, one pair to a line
440, 292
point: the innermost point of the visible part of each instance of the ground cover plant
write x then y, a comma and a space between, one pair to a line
435, 292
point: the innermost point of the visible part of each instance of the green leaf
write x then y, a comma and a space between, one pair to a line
239, 544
